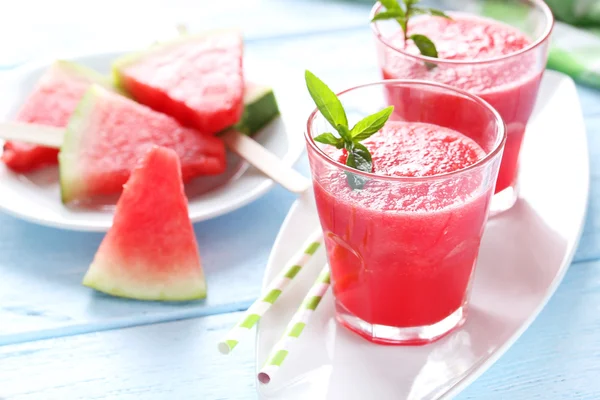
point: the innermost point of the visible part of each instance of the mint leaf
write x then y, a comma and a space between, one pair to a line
417, 11
425, 45
404, 25
329, 138
402, 15
327, 102
359, 158
356, 181
437, 13
358, 155
367, 126
391, 4
390, 14
394, 11
344, 133
429, 11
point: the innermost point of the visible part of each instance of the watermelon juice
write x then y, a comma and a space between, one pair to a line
402, 249
491, 59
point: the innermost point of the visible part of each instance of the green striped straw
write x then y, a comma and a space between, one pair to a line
272, 293
295, 326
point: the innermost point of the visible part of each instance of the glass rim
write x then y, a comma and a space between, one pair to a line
498, 144
546, 34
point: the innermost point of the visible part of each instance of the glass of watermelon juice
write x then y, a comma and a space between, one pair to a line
402, 245
494, 49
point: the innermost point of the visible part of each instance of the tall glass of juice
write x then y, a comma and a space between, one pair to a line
496, 49
402, 241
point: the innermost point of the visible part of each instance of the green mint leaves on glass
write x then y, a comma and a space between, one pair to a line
393, 10
331, 108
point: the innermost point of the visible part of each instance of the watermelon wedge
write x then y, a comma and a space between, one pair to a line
150, 252
107, 135
52, 102
196, 79
260, 108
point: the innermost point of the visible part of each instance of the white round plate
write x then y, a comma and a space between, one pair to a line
36, 197
524, 255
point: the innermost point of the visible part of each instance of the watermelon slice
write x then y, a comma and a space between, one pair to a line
196, 79
150, 252
107, 135
260, 108
52, 102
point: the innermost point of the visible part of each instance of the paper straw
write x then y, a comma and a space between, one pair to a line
295, 326
273, 291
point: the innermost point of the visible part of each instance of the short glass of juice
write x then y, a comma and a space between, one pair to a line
402, 241
494, 49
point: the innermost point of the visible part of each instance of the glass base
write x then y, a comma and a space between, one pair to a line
391, 335
504, 200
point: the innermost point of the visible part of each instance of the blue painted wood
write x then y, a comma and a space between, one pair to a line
589, 247
50, 31
556, 359
41, 268
177, 360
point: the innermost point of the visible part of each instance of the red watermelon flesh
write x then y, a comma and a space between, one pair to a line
109, 133
52, 102
150, 252
197, 79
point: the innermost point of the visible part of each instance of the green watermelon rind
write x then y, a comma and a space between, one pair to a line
260, 108
132, 58
69, 170
87, 73
121, 63
190, 289
260, 104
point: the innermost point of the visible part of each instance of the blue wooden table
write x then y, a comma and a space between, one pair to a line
59, 340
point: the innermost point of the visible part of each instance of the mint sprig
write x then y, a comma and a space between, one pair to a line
331, 108
402, 15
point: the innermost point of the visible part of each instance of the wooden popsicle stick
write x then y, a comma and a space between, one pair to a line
242, 145
265, 161
32, 133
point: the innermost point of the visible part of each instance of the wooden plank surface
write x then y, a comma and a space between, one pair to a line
556, 359
67, 27
41, 271
177, 360
41, 268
